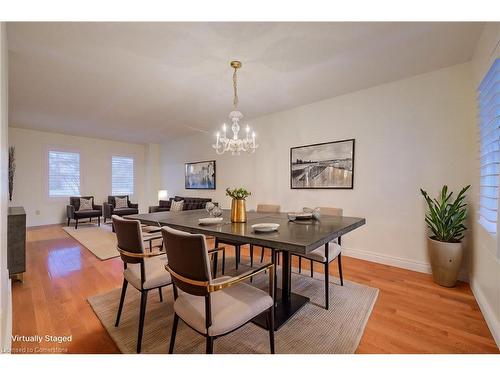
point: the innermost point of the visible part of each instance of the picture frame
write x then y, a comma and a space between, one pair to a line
200, 175
327, 165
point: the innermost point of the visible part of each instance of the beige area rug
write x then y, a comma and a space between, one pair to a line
101, 241
312, 330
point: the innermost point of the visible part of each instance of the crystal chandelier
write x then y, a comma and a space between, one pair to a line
235, 144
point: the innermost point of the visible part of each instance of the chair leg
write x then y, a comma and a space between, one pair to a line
270, 327
223, 261
144, 299
122, 299
99, 221
278, 258
327, 299
300, 264
251, 255
76, 224
104, 219
161, 294
174, 332
68, 223
262, 254
215, 260
312, 268
339, 260
210, 345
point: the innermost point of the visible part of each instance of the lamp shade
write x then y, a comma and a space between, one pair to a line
162, 195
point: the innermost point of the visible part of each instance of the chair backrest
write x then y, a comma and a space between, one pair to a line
268, 208
188, 257
332, 211
112, 201
129, 238
75, 201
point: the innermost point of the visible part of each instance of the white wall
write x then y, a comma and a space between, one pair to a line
412, 133
485, 259
5, 285
30, 183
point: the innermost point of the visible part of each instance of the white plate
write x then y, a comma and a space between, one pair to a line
302, 215
210, 220
265, 227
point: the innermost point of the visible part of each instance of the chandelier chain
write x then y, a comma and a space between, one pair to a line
235, 87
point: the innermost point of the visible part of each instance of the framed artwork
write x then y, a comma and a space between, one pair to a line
327, 165
200, 175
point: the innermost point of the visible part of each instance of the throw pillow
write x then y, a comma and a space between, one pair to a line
177, 206
85, 204
121, 202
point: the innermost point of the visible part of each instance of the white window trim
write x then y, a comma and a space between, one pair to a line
45, 169
123, 155
491, 234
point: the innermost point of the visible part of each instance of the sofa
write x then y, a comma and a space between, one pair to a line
73, 211
190, 203
110, 207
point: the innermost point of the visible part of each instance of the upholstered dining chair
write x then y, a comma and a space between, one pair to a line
212, 307
271, 209
145, 270
318, 255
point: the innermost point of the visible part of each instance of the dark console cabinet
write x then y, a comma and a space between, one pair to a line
16, 242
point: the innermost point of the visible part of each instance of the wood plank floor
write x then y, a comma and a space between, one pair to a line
412, 314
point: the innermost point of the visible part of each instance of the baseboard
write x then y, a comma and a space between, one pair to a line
389, 260
488, 312
6, 319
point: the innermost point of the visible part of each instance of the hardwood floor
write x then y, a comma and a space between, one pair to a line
411, 315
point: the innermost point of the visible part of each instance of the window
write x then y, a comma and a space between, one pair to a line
122, 177
64, 173
489, 124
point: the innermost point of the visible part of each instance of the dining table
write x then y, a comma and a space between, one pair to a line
291, 237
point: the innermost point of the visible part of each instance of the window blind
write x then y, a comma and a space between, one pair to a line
489, 125
122, 175
64, 173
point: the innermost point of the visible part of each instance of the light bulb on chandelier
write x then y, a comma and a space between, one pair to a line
235, 144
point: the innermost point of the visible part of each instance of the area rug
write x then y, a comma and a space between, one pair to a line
101, 241
312, 330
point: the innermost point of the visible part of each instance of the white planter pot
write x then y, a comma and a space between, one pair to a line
446, 260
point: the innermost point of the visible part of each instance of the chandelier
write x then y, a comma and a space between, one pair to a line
234, 143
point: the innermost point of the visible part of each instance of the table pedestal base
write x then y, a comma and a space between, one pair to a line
283, 310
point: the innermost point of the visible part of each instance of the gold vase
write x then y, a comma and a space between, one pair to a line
238, 211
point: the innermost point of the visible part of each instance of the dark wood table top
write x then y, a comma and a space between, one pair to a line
300, 236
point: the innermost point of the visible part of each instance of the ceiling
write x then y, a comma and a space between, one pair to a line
153, 82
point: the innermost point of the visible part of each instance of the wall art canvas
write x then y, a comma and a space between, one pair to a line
323, 166
200, 175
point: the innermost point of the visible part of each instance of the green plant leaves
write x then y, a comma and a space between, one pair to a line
445, 218
238, 193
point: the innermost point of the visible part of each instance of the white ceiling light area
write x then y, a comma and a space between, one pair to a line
152, 82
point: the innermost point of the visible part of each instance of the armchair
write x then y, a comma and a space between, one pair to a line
212, 307
110, 207
73, 211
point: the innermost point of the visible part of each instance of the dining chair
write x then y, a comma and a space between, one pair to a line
271, 209
213, 307
261, 208
318, 255
144, 270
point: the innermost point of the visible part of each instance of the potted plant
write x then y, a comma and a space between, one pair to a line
238, 205
445, 219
